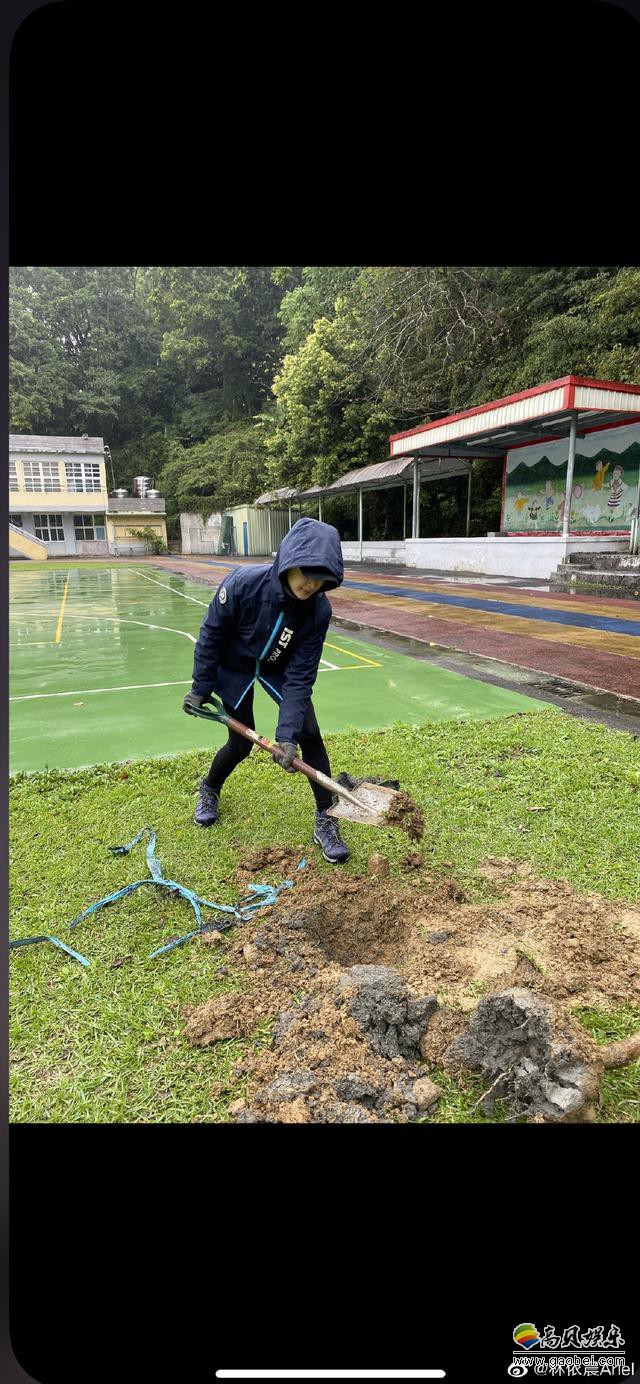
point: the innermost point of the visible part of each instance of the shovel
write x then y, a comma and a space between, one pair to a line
369, 803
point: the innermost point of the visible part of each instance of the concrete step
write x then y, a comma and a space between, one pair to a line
621, 584
603, 561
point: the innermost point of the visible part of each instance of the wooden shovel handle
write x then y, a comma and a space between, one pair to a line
315, 774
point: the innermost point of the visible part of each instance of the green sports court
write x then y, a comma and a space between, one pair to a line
101, 656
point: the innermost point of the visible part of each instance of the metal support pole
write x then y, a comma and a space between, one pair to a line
404, 512
634, 536
469, 499
320, 508
570, 466
289, 513
415, 522
270, 539
360, 520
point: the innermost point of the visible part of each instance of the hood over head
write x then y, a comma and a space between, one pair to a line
311, 543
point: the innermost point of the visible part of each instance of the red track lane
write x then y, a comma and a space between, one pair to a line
595, 668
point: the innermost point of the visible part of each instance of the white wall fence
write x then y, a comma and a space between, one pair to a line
497, 557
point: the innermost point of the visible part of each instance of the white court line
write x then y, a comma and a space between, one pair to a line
166, 586
84, 691
120, 620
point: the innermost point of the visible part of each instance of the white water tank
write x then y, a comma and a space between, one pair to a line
121, 494
140, 484
153, 494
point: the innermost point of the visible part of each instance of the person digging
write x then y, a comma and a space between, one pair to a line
268, 625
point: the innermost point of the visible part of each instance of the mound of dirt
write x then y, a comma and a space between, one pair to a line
369, 981
536, 1059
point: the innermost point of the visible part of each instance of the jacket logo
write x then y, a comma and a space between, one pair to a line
222, 595
282, 644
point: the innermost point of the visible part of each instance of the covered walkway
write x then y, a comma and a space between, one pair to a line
570, 455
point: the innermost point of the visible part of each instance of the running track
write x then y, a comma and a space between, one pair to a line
587, 639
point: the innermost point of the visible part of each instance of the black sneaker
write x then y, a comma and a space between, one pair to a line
327, 837
208, 808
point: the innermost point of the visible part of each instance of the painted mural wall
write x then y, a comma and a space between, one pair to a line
605, 483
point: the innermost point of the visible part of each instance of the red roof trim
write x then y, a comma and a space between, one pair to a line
568, 380
573, 533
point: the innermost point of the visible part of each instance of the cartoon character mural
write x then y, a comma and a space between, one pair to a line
617, 488
605, 482
533, 510
598, 479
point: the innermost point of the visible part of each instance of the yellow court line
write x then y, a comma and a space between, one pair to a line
61, 615
355, 668
349, 654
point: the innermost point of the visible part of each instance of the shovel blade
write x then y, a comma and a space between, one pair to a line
374, 804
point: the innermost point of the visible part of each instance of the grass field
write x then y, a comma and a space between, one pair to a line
105, 1043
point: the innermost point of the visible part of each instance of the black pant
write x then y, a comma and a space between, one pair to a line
237, 748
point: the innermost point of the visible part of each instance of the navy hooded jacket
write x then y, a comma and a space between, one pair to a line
255, 630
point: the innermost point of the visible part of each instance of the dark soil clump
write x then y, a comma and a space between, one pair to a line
535, 1058
404, 813
392, 1018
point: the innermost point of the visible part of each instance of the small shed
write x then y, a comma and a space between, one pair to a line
258, 532
240, 531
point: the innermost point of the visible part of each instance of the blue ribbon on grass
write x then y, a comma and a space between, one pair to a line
263, 896
46, 937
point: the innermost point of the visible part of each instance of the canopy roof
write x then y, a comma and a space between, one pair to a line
535, 415
448, 446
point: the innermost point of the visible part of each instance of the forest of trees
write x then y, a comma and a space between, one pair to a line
222, 382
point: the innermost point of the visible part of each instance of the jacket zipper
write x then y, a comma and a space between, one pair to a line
265, 651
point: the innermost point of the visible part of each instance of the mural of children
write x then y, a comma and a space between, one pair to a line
520, 502
601, 472
560, 509
617, 488
548, 494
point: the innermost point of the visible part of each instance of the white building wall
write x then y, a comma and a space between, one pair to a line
504, 557
66, 549
198, 536
391, 552
495, 557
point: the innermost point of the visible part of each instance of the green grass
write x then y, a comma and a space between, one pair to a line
104, 1044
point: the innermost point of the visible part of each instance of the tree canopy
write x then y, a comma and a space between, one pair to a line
221, 382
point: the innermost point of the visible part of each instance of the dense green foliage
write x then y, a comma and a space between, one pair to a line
221, 382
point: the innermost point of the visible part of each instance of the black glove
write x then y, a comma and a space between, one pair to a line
192, 699
289, 753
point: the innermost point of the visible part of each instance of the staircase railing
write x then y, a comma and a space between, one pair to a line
15, 528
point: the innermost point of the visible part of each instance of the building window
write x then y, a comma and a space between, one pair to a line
13, 476
16, 520
49, 527
89, 526
41, 475
83, 475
